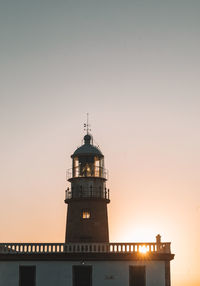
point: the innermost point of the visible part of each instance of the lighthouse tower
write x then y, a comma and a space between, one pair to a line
87, 258
87, 198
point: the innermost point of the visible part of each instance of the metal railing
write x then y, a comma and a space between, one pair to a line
34, 248
90, 192
78, 172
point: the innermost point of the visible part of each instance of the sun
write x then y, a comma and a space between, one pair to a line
143, 249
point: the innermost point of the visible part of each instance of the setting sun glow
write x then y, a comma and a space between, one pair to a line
143, 249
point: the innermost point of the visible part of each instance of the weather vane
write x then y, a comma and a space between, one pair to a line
87, 125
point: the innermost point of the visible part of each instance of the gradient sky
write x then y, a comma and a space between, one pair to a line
134, 66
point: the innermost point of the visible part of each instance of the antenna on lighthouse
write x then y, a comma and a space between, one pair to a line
87, 125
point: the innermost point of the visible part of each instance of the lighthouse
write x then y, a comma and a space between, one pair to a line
86, 257
87, 197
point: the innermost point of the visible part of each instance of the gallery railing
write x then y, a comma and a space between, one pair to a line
80, 172
34, 248
77, 193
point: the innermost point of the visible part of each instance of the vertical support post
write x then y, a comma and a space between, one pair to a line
158, 242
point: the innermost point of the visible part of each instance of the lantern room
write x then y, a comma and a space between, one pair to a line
87, 161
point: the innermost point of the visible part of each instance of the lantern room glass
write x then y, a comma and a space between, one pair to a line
88, 166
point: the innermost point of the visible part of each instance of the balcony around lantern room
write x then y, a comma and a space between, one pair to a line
87, 171
87, 193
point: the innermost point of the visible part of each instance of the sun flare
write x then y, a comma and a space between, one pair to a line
143, 249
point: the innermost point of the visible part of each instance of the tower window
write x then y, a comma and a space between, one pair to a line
86, 214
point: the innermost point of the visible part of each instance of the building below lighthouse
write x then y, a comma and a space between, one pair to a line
86, 257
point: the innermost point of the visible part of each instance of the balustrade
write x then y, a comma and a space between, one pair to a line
87, 193
77, 172
30, 248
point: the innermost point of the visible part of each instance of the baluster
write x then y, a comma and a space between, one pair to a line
135, 247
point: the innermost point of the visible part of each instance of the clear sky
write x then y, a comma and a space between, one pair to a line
134, 66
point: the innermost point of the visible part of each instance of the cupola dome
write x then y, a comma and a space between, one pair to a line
87, 149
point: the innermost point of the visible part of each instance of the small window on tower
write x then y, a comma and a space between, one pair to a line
85, 214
